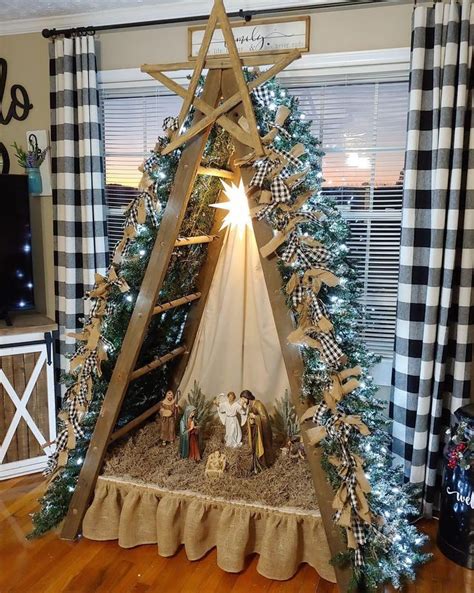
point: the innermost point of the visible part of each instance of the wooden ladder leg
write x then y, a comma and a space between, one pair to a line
142, 313
291, 355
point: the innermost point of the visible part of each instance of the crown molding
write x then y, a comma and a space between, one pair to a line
167, 10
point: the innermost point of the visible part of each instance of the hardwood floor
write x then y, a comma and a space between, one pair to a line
50, 565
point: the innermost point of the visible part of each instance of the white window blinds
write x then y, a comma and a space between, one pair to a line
362, 126
132, 121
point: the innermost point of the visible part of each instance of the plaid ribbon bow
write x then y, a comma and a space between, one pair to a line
329, 351
304, 254
151, 162
263, 95
281, 220
338, 428
263, 167
170, 123
280, 194
287, 156
141, 206
282, 131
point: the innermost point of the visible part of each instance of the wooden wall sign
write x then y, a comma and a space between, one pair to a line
259, 36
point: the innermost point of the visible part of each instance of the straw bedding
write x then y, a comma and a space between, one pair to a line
142, 458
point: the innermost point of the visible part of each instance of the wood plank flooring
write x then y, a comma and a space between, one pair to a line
50, 565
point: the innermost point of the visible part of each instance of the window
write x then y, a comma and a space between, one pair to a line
132, 121
362, 127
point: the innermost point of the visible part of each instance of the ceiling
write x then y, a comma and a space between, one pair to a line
24, 16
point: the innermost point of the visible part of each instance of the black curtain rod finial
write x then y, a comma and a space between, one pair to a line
247, 16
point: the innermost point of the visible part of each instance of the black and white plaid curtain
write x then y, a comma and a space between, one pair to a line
433, 345
78, 183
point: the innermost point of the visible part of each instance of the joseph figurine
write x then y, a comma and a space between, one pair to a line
259, 431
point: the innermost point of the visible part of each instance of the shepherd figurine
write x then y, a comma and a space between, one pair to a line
167, 412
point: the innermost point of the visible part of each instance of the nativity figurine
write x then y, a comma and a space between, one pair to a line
232, 415
167, 412
189, 445
294, 448
259, 431
215, 465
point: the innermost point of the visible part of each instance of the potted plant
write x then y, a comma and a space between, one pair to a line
31, 160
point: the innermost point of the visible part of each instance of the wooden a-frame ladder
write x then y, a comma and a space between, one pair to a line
219, 83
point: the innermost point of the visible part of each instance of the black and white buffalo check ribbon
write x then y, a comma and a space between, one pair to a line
61, 445
132, 213
287, 156
263, 95
339, 430
282, 131
280, 220
316, 306
171, 123
280, 195
304, 254
330, 351
263, 167
151, 163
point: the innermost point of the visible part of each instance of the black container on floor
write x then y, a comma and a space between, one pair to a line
456, 522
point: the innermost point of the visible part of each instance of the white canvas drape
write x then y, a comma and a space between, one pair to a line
237, 345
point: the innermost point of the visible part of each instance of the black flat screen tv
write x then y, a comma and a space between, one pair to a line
16, 266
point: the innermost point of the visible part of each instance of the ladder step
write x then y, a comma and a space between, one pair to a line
119, 433
215, 172
158, 362
176, 303
182, 241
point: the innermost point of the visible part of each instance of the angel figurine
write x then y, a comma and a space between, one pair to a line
229, 411
167, 412
189, 446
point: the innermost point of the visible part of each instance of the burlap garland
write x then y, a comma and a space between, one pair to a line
314, 329
87, 360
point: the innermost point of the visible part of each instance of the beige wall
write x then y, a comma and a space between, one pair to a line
27, 57
336, 31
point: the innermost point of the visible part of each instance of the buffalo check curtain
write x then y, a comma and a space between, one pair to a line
78, 183
433, 345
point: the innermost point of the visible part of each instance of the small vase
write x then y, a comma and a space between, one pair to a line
35, 184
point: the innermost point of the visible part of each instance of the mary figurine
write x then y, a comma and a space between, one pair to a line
189, 435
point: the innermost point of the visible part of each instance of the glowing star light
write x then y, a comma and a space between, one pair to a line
237, 206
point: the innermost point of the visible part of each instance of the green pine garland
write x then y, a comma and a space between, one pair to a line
394, 550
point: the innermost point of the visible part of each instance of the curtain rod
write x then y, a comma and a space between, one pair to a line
247, 15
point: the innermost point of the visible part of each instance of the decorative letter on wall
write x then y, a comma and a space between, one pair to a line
20, 105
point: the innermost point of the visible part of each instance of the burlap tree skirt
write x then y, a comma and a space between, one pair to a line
148, 495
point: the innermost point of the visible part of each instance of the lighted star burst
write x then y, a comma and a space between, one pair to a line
238, 208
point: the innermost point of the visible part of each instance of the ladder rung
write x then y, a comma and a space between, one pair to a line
181, 241
215, 172
119, 433
158, 362
176, 303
